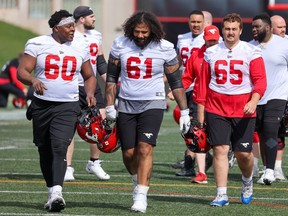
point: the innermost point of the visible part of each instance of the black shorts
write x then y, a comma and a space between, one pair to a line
53, 120
143, 127
270, 113
100, 103
235, 131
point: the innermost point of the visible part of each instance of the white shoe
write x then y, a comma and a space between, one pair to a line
57, 203
268, 177
261, 181
140, 201
247, 192
47, 204
69, 174
96, 169
279, 175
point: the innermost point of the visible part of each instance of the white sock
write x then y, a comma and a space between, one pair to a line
256, 161
247, 179
142, 189
221, 190
278, 164
57, 189
49, 190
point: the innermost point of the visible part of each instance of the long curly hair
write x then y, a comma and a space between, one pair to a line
157, 32
57, 17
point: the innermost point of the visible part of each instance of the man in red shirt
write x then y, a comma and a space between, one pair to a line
233, 79
192, 74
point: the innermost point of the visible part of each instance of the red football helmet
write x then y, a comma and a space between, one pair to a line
89, 125
110, 143
177, 114
196, 139
18, 102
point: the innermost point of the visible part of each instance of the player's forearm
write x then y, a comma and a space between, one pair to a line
110, 93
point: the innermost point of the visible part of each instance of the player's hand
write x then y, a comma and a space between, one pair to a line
170, 95
111, 113
38, 86
91, 100
184, 121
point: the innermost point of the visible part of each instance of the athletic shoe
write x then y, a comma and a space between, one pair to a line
178, 165
279, 175
140, 201
231, 159
220, 200
47, 204
69, 174
57, 203
247, 192
208, 161
261, 180
200, 178
268, 177
96, 169
188, 173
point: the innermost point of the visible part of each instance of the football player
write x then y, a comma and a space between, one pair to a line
232, 82
85, 32
271, 107
57, 63
141, 58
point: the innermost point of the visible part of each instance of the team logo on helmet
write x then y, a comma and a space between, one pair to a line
196, 138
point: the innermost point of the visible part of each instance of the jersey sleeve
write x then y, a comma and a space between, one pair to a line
116, 47
32, 47
203, 84
258, 75
167, 48
188, 74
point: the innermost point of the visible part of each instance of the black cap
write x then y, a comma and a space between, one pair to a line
82, 11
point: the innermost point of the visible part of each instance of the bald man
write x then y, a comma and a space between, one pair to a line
279, 26
208, 19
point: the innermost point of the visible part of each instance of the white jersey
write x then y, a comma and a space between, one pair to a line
275, 55
186, 45
58, 67
142, 70
93, 39
230, 69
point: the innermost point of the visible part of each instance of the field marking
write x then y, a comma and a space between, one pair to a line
107, 183
8, 147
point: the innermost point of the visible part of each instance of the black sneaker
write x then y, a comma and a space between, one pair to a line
178, 165
188, 173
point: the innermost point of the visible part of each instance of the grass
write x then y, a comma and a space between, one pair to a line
13, 41
23, 191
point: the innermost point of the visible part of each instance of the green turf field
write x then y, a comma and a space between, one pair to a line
23, 192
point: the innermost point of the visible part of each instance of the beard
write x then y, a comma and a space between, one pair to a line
143, 42
260, 36
88, 27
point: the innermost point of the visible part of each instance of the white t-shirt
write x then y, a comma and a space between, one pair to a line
142, 70
94, 40
275, 55
186, 45
58, 67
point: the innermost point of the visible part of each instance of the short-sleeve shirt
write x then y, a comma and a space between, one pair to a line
58, 67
